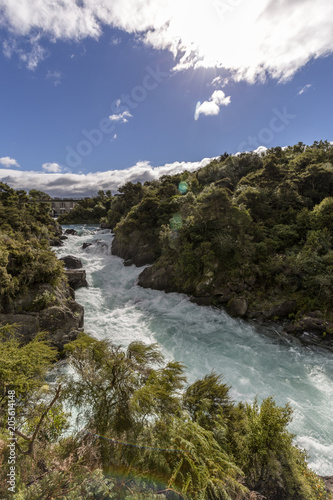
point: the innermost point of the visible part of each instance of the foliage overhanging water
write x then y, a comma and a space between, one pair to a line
204, 338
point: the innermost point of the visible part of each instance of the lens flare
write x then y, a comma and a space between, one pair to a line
176, 222
183, 187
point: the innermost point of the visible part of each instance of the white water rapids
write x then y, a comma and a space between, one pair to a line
203, 338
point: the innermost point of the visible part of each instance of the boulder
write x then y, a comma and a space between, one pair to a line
237, 307
236, 287
158, 279
76, 278
86, 245
144, 257
63, 237
128, 262
202, 301
71, 262
56, 242
313, 331
70, 231
310, 325
54, 318
281, 310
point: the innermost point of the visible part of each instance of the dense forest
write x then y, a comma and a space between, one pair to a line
247, 228
251, 233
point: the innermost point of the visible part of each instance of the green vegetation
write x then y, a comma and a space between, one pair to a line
146, 432
255, 227
26, 260
88, 210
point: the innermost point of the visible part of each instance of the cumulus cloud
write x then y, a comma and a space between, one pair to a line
121, 117
8, 162
304, 89
277, 38
81, 185
52, 167
213, 105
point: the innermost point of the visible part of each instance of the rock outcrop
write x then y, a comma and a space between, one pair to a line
56, 242
48, 309
71, 262
313, 329
76, 278
106, 225
136, 251
70, 231
158, 279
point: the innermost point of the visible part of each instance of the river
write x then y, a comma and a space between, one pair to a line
252, 362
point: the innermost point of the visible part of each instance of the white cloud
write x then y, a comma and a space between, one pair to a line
80, 185
213, 105
220, 81
52, 167
251, 39
8, 162
54, 77
29, 51
121, 117
304, 89
115, 41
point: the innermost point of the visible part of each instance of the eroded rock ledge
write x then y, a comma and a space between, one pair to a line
48, 309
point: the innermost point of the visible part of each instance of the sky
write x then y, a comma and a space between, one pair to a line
95, 93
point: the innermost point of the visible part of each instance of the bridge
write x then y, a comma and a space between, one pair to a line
58, 206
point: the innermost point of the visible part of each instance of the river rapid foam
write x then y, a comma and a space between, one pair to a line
253, 362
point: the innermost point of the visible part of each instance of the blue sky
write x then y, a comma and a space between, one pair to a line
92, 95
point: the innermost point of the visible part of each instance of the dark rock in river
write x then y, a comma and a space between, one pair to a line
63, 237
313, 330
76, 278
71, 262
105, 225
237, 307
86, 245
70, 231
158, 279
56, 242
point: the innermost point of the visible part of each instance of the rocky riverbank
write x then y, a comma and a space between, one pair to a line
236, 297
50, 308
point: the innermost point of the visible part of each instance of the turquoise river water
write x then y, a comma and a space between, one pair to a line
253, 362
